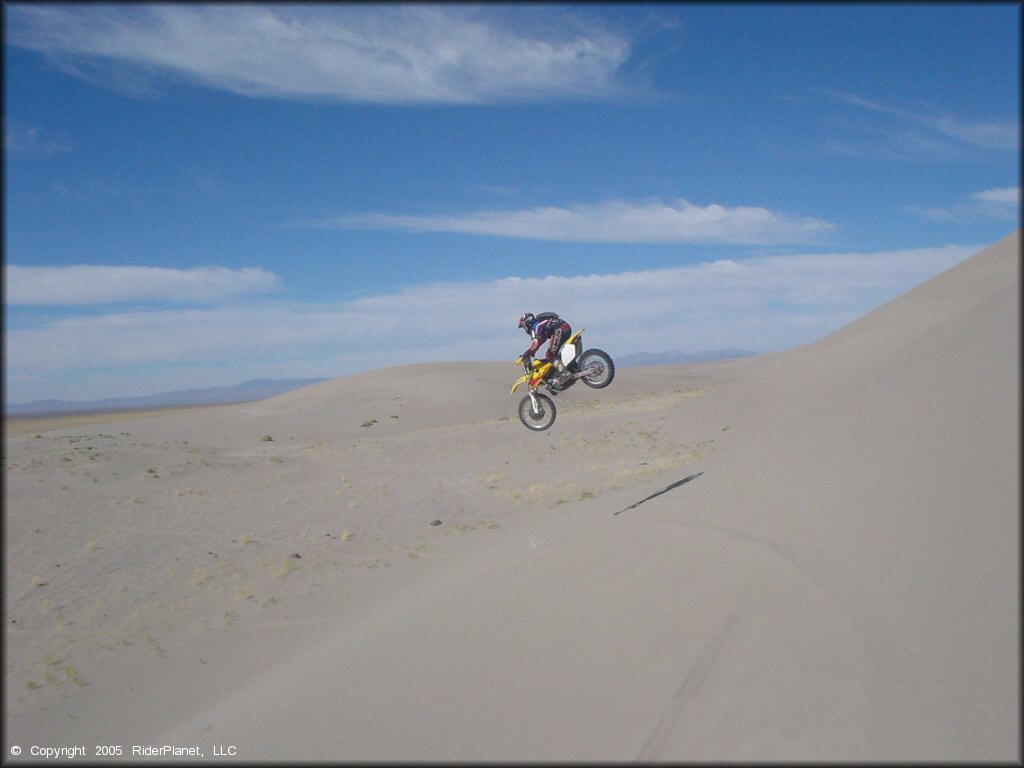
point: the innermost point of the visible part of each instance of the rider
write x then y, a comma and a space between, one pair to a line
541, 328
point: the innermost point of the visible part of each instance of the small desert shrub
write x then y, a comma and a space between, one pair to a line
287, 566
72, 674
156, 646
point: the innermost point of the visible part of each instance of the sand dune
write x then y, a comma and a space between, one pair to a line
390, 567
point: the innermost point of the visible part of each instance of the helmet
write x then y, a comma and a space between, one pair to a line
526, 321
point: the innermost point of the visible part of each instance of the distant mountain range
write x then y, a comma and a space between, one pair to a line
254, 389
668, 358
259, 389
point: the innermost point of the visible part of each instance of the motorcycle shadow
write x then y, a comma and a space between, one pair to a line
666, 489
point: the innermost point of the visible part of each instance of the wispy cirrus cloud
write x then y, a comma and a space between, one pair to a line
20, 138
613, 221
95, 284
1001, 204
762, 304
398, 54
919, 134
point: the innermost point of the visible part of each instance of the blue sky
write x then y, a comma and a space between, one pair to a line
197, 195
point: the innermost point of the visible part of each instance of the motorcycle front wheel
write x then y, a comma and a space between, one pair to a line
603, 369
537, 420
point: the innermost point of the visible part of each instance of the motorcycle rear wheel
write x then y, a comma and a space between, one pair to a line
540, 420
604, 368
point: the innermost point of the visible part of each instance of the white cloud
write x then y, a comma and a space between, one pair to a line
30, 140
918, 134
762, 304
1002, 196
987, 134
92, 284
651, 221
1002, 204
367, 53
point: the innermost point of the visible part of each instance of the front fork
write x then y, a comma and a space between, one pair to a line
535, 403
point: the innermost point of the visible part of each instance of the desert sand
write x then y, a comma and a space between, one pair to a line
389, 566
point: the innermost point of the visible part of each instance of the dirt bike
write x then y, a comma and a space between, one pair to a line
593, 367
